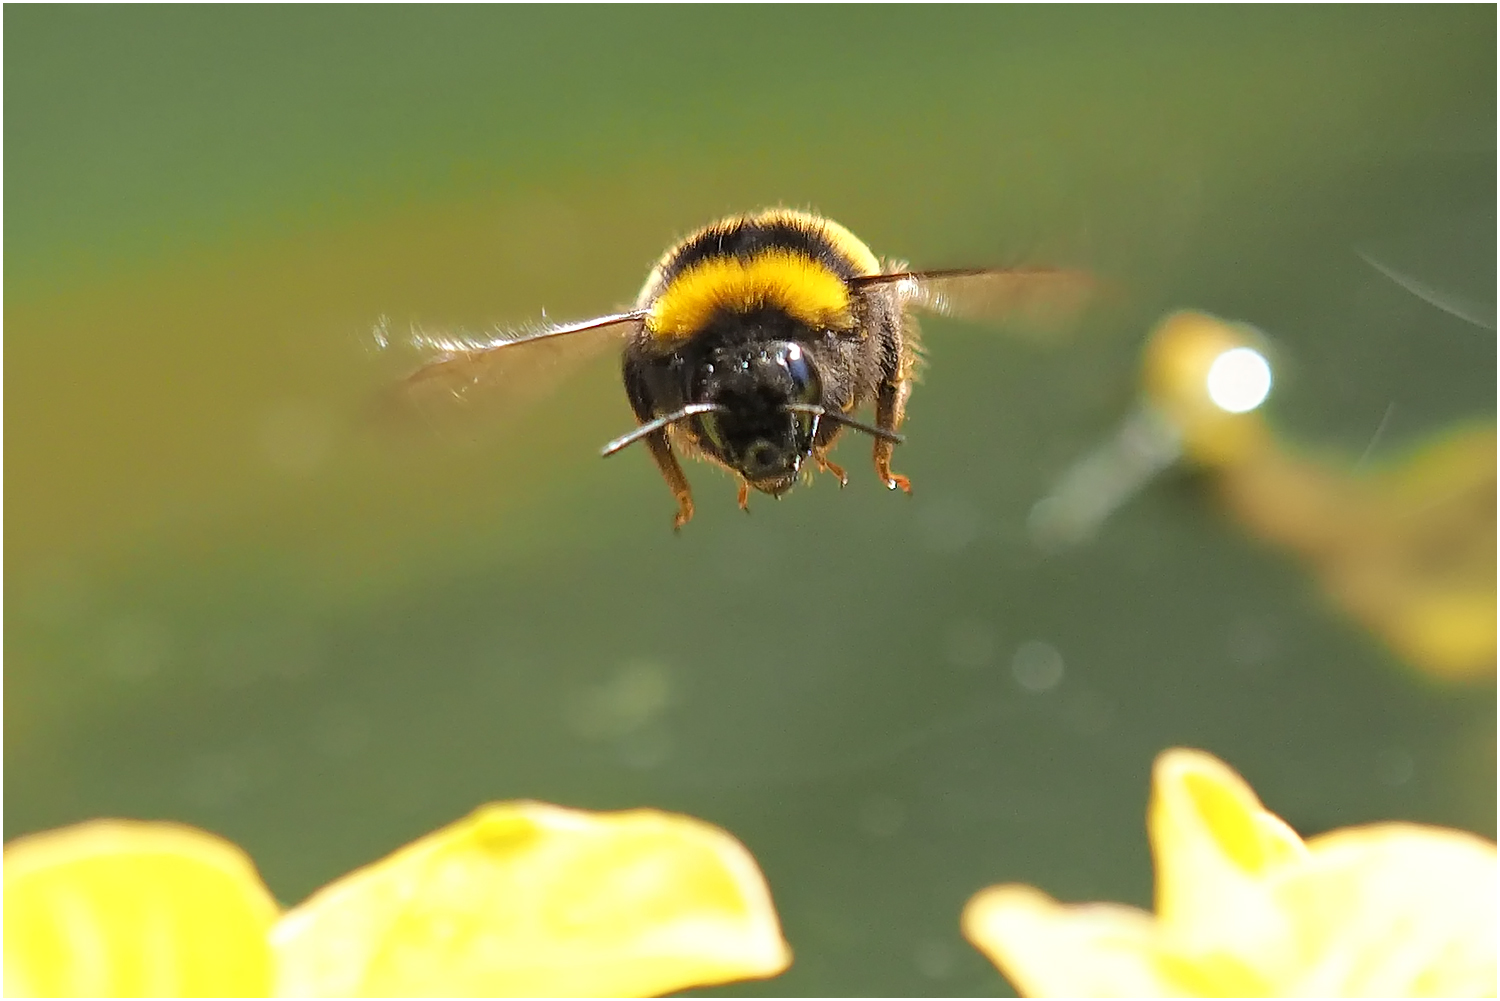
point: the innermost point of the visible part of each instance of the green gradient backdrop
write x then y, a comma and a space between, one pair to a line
228, 603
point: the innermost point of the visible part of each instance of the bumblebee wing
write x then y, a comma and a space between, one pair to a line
504, 369
1039, 299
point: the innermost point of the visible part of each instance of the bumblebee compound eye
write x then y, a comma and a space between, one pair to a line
806, 386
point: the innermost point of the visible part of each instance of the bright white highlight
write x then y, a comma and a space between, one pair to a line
1239, 380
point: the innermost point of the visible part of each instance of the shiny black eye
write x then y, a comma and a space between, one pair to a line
806, 386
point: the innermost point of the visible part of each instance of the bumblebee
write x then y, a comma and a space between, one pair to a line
752, 345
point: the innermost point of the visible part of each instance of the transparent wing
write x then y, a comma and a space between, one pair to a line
503, 370
1042, 300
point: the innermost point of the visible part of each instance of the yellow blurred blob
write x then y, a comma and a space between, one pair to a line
528, 899
1246, 907
1409, 548
518, 899
123, 908
1180, 357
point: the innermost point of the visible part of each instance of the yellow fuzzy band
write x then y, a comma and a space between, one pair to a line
799, 285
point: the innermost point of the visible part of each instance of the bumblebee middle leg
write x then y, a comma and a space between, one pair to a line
890, 410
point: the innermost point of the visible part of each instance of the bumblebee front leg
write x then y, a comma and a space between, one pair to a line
890, 410
661, 451
827, 465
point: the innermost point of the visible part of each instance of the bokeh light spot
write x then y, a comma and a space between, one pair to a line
1239, 380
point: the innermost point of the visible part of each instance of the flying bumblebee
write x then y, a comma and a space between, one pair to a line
752, 344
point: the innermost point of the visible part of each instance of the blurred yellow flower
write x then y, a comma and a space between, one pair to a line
1245, 907
1406, 545
516, 899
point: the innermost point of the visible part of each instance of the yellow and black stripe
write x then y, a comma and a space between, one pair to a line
781, 259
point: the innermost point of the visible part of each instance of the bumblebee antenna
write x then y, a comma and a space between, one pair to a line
655, 425
824, 414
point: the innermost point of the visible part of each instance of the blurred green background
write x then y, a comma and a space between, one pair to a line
229, 602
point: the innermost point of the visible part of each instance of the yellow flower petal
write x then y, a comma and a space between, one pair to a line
1392, 910
1213, 843
1049, 950
531, 899
1244, 907
119, 908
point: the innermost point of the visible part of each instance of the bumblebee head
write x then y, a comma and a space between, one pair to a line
752, 403
764, 399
